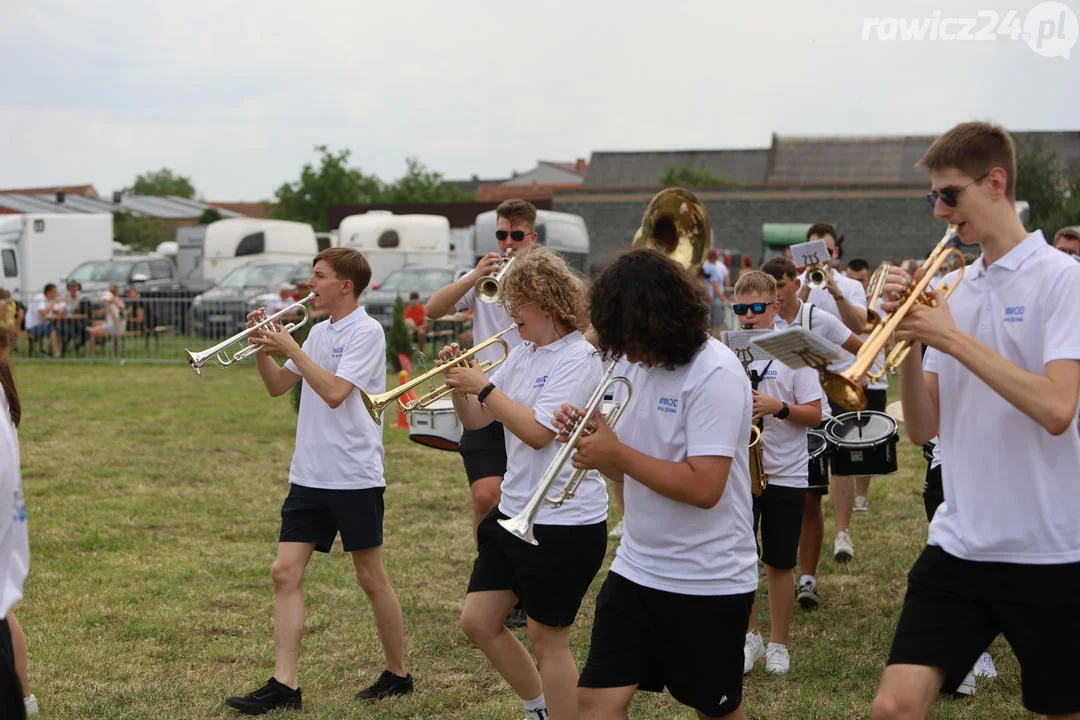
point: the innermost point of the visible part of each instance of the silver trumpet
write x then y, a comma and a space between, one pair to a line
487, 287
521, 525
217, 353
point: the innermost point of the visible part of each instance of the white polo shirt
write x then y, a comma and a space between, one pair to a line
699, 409
543, 378
1012, 490
827, 326
341, 448
14, 541
38, 303
786, 455
488, 319
883, 383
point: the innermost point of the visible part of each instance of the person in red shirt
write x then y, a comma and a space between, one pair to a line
416, 320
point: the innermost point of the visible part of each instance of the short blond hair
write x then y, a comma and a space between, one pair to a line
542, 276
756, 281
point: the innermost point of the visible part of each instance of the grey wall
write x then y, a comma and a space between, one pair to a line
877, 222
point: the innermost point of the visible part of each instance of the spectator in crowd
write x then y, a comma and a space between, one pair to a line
716, 287
39, 318
1067, 240
113, 324
137, 320
745, 265
416, 320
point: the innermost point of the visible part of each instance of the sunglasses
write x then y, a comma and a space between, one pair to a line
758, 307
515, 235
951, 195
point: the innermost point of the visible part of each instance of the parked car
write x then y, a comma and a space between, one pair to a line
222, 310
379, 298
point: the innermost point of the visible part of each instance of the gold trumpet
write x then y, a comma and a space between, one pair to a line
817, 276
487, 287
217, 353
375, 404
876, 286
845, 388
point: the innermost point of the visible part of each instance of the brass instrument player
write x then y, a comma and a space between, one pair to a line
786, 402
553, 364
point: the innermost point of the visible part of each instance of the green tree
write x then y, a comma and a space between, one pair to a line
1039, 182
161, 183
419, 184
141, 232
331, 183
209, 215
687, 176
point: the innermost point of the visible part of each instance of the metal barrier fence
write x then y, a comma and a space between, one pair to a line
155, 330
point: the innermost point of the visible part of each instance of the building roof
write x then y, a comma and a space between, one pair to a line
247, 209
80, 190
170, 208
645, 168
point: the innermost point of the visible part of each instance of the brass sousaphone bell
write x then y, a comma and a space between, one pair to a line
676, 224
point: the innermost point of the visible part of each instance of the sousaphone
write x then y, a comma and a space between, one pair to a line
676, 224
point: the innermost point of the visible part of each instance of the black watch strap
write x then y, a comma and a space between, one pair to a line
783, 412
482, 395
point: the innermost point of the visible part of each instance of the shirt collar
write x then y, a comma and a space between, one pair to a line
1013, 259
557, 343
349, 320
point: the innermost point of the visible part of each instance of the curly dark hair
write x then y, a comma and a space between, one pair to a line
645, 304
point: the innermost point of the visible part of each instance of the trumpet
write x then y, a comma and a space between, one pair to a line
876, 287
217, 352
845, 388
487, 287
521, 525
817, 276
375, 404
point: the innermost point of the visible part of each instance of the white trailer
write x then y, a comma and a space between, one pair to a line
564, 233
36, 249
230, 243
390, 241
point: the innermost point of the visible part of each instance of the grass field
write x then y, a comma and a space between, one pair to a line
153, 501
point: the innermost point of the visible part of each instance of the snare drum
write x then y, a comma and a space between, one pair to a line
819, 459
436, 426
863, 443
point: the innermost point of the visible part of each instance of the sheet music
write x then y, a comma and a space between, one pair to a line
798, 348
740, 343
810, 253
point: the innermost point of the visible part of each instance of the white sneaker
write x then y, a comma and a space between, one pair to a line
984, 667
777, 661
31, 705
861, 505
843, 548
753, 650
966, 688
541, 714
616, 532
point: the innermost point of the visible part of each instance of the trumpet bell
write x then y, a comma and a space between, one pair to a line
844, 391
676, 223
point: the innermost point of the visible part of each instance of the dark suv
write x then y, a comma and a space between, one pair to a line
379, 298
222, 311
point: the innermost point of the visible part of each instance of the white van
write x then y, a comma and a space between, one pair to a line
38, 249
390, 241
564, 233
230, 243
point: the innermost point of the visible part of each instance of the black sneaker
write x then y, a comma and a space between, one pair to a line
517, 618
269, 697
387, 685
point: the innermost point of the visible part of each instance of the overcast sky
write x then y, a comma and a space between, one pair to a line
236, 94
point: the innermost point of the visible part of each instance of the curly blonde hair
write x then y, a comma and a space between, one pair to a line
542, 276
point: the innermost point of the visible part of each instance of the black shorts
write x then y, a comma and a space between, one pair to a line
782, 508
11, 697
483, 451
316, 515
875, 400
933, 492
692, 644
551, 578
954, 608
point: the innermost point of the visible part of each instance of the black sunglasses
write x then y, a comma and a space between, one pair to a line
515, 235
758, 307
951, 195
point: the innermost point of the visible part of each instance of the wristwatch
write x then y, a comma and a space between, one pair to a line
839, 295
482, 395
783, 412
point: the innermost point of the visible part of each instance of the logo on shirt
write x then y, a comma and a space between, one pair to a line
540, 382
336, 352
668, 405
1014, 313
